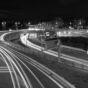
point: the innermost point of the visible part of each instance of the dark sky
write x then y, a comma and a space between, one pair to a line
45, 8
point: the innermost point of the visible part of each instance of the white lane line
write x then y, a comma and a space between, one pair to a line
2, 67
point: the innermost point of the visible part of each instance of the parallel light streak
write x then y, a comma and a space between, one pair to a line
54, 53
29, 71
15, 57
4, 70
46, 71
49, 76
24, 80
14, 74
9, 70
38, 65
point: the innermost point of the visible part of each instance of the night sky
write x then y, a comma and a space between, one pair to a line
44, 9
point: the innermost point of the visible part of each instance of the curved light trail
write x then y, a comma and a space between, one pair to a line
38, 67
15, 58
54, 53
20, 73
20, 63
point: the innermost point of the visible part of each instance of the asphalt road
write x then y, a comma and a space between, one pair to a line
25, 73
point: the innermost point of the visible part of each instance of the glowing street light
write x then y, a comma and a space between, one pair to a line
16, 24
3, 25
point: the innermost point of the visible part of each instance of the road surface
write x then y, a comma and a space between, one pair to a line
18, 71
24, 72
29, 67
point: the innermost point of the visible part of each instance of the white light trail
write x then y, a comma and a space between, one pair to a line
20, 73
28, 70
53, 74
15, 74
54, 53
15, 57
38, 65
9, 70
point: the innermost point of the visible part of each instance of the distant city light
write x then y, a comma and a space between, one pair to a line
28, 23
10, 29
71, 27
35, 29
32, 35
3, 23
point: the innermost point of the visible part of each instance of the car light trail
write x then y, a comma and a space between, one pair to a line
53, 53
20, 73
42, 72
15, 58
15, 78
4, 70
14, 84
40, 67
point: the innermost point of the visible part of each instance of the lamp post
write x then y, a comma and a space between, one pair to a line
4, 25
16, 25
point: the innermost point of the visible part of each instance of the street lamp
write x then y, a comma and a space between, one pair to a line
4, 25
16, 24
